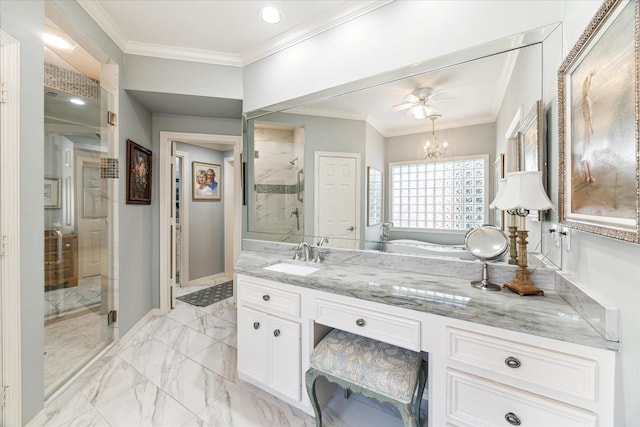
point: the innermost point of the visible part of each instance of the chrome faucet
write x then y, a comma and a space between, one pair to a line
307, 251
320, 253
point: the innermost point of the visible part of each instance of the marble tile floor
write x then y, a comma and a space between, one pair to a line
88, 293
179, 370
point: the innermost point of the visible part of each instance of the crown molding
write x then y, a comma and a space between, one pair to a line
270, 47
308, 30
104, 21
182, 54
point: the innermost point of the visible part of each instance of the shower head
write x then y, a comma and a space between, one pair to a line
293, 162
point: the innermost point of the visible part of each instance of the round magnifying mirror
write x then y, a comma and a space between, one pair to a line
486, 242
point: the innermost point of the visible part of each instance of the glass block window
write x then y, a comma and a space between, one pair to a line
444, 195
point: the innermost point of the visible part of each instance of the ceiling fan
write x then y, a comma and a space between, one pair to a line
418, 103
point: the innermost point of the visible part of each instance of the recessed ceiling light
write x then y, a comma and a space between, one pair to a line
77, 101
270, 15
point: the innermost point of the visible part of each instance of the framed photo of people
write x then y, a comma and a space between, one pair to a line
598, 126
206, 181
139, 174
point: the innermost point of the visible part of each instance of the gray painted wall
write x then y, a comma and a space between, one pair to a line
374, 157
206, 218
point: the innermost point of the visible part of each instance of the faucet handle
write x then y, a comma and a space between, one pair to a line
296, 253
319, 255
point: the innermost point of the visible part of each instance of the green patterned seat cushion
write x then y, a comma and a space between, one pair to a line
383, 368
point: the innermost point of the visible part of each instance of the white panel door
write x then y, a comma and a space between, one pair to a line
337, 201
91, 215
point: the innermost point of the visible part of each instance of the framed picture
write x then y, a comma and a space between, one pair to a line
531, 147
206, 181
498, 174
52, 195
139, 174
598, 126
374, 196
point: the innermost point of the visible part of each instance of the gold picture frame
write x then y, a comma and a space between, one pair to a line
598, 111
204, 186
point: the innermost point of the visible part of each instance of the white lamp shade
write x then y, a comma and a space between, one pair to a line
523, 190
501, 186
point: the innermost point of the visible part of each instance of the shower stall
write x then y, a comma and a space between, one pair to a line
279, 182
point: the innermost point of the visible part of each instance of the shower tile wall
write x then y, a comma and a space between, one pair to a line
276, 177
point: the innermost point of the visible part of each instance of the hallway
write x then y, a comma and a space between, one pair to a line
180, 370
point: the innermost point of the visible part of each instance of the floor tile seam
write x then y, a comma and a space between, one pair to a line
168, 392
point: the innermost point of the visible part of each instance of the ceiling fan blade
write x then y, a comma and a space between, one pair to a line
412, 98
402, 106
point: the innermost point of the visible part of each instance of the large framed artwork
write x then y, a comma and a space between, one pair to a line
598, 112
206, 181
139, 162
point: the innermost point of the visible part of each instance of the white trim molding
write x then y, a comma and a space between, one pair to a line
10, 229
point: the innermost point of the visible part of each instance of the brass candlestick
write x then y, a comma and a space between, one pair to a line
522, 283
513, 250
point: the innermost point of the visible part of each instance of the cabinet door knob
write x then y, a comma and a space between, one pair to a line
512, 419
276, 333
360, 322
256, 325
266, 297
512, 362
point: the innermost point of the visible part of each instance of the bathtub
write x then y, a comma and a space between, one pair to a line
417, 247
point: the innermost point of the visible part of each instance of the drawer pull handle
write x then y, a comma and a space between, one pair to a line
512, 362
512, 419
256, 325
266, 297
276, 333
360, 322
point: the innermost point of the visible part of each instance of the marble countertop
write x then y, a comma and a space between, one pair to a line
547, 316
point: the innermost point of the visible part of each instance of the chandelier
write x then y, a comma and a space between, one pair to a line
434, 148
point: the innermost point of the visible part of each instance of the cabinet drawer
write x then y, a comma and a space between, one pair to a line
269, 298
551, 372
389, 328
473, 401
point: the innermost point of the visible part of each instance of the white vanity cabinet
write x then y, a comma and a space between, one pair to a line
269, 349
517, 379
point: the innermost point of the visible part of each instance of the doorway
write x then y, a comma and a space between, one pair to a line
167, 198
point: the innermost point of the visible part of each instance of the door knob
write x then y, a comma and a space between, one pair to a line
351, 228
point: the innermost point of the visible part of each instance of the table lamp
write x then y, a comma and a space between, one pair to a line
521, 193
513, 251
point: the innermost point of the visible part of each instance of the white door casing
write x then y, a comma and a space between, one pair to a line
167, 200
10, 347
337, 198
229, 250
183, 242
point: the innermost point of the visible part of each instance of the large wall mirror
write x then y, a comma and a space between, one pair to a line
308, 159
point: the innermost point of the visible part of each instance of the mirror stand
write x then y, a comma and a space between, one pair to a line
485, 284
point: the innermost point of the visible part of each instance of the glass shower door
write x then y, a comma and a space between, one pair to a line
78, 282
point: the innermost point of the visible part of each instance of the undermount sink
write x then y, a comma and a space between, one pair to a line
297, 269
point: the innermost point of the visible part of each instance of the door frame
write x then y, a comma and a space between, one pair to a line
167, 233
316, 192
184, 219
229, 198
10, 343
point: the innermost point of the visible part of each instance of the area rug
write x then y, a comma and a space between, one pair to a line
209, 295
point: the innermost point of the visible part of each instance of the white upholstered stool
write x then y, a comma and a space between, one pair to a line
371, 368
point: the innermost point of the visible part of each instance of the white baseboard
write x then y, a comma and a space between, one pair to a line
206, 280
